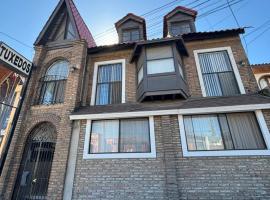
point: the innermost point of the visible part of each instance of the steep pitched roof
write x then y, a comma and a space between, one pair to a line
81, 30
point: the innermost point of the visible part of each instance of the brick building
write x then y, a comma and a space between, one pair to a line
179, 117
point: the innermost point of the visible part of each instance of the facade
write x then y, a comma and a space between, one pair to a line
179, 117
262, 74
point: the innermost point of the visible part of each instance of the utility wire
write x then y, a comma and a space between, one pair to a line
258, 36
155, 22
13, 38
258, 28
151, 12
237, 24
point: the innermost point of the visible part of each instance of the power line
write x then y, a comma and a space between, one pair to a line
13, 38
237, 24
258, 28
215, 9
145, 14
258, 36
155, 22
159, 21
226, 17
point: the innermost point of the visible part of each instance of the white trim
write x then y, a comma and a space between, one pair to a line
264, 130
232, 60
71, 167
96, 65
250, 107
152, 154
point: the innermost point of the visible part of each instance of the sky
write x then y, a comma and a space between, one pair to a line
22, 21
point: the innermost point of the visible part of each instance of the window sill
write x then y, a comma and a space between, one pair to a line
119, 155
227, 153
57, 105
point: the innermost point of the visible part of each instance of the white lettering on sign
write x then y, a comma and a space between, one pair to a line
14, 60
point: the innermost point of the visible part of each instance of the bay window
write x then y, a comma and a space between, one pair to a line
160, 60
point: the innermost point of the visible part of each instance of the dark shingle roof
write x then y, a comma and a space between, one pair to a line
205, 102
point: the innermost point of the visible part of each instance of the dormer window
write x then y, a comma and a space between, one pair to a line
131, 28
130, 35
179, 21
179, 28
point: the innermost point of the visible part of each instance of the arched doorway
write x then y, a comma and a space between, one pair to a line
34, 173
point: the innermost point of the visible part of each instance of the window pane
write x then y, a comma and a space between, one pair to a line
215, 62
135, 35
160, 66
109, 84
228, 83
246, 133
218, 76
180, 28
159, 52
263, 83
126, 36
212, 85
239, 131
102, 94
134, 135
140, 75
59, 70
206, 132
70, 33
104, 136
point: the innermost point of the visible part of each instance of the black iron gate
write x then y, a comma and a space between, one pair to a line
34, 173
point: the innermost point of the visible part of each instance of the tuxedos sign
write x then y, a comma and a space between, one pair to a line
14, 61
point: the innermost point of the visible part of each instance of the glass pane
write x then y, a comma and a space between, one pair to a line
70, 33
102, 96
228, 83
115, 92
134, 135
264, 82
159, 52
215, 62
135, 35
104, 136
225, 131
246, 133
109, 86
140, 75
180, 28
126, 36
207, 132
48, 97
212, 85
160, 66
190, 136
59, 70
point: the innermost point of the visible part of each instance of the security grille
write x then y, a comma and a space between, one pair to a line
33, 177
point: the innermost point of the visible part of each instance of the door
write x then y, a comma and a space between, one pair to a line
34, 173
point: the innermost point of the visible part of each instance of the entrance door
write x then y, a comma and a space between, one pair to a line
34, 173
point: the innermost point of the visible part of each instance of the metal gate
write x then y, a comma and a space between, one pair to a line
34, 173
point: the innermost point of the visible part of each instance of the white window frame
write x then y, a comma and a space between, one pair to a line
94, 86
233, 63
87, 155
262, 125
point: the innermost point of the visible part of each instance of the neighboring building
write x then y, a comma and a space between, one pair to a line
262, 74
10, 91
172, 118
